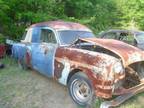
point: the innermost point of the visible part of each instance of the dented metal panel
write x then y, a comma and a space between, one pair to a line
96, 65
129, 54
125, 95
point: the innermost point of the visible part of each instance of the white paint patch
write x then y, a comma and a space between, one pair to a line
65, 72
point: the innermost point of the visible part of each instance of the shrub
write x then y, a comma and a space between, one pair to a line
2, 39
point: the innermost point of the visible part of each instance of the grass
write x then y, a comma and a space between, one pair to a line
15, 85
18, 89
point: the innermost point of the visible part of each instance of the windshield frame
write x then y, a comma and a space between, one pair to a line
77, 34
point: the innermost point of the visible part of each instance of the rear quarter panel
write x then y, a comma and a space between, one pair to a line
18, 50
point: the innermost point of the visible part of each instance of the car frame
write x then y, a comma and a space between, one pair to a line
89, 66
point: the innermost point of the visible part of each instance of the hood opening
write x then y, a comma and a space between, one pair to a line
96, 48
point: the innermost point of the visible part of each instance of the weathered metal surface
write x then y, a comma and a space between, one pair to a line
43, 58
2, 50
61, 25
18, 51
96, 65
127, 53
125, 95
104, 70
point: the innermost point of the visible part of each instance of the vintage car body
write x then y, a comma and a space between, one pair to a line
133, 37
102, 66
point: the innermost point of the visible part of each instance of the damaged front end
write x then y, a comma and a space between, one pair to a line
125, 84
132, 84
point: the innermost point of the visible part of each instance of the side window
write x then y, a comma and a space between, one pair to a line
110, 36
47, 36
128, 38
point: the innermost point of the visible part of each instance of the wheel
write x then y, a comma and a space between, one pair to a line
80, 89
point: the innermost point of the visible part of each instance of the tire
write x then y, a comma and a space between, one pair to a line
80, 89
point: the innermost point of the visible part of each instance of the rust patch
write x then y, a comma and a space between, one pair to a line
61, 25
95, 65
58, 69
129, 54
131, 78
28, 58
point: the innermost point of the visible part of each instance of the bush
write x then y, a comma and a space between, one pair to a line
2, 39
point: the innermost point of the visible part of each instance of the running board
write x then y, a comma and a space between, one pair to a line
122, 98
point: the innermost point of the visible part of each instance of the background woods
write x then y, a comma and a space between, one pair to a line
16, 15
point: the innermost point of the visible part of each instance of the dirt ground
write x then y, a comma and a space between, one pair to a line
29, 89
51, 94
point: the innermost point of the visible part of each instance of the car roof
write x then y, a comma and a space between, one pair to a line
62, 25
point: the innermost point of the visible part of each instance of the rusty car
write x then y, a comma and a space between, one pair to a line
90, 67
132, 37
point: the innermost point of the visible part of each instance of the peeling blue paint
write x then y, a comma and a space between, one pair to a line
44, 61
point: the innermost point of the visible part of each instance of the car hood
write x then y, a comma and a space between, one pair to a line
128, 53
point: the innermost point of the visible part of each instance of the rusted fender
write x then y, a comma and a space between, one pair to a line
128, 53
98, 67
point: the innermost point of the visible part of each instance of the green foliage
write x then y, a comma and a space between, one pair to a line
2, 39
16, 15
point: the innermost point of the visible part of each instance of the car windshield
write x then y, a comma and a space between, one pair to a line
69, 36
140, 37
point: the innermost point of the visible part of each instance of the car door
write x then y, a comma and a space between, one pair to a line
43, 53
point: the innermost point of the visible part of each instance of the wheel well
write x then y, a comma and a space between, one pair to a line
72, 73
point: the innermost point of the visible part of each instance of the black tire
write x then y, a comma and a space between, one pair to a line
79, 94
